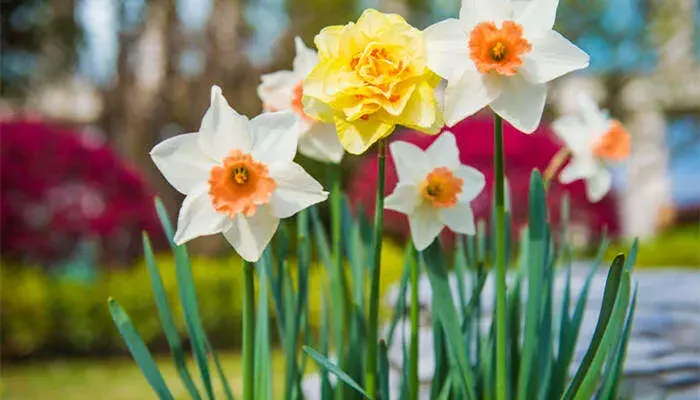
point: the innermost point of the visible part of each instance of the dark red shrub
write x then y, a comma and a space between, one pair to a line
523, 153
60, 190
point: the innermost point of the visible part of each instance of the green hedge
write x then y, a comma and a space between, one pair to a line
43, 315
674, 248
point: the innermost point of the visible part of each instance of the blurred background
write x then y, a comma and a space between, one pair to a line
89, 86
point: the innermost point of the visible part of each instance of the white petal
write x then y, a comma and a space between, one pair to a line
579, 167
473, 182
198, 217
574, 133
475, 11
223, 129
552, 56
321, 143
521, 103
250, 235
182, 162
405, 199
537, 17
425, 225
296, 189
274, 137
472, 92
448, 48
443, 152
411, 162
305, 59
598, 185
459, 218
593, 117
275, 91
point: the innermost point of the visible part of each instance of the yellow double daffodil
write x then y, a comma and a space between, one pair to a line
371, 76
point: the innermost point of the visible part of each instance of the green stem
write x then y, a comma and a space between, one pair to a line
371, 371
413, 367
248, 329
344, 308
500, 260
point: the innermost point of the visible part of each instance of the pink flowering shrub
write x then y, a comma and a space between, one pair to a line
522, 154
59, 190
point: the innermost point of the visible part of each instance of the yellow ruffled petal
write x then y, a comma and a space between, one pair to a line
317, 109
423, 111
328, 41
357, 136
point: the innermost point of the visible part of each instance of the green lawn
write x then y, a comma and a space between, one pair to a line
110, 378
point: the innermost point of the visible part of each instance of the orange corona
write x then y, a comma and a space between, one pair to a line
498, 50
614, 144
240, 185
441, 188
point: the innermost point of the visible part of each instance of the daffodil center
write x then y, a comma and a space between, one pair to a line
441, 188
499, 50
239, 185
614, 145
240, 175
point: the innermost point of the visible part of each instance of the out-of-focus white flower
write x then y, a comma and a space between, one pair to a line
283, 90
594, 140
500, 53
238, 176
434, 189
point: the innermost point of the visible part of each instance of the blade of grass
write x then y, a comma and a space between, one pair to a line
610, 337
446, 312
383, 371
188, 298
166, 319
138, 350
262, 369
326, 364
536, 249
611, 380
612, 287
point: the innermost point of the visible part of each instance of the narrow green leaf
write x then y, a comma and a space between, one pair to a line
613, 375
441, 372
383, 371
400, 307
138, 350
326, 364
166, 319
262, 367
326, 388
222, 377
446, 312
632, 255
188, 298
444, 392
612, 287
610, 337
536, 250
571, 326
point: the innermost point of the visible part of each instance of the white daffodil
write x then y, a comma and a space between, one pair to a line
238, 176
283, 90
593, 140
500, 53
434, 189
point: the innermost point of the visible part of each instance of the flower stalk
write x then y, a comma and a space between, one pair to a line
248, 330
371, 362
555, 165
413, 367
500, 259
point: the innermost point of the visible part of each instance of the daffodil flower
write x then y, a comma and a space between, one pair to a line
283, 90
237, 175
500, 53
434, 189
371, 76
594, 140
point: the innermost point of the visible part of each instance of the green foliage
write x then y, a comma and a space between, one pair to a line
535, 367
675, 248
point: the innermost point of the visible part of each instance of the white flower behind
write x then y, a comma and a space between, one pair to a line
500, 53
594, 140
434, 189
238, 176
283, 90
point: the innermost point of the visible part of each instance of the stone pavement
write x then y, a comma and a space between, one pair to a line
663, 358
